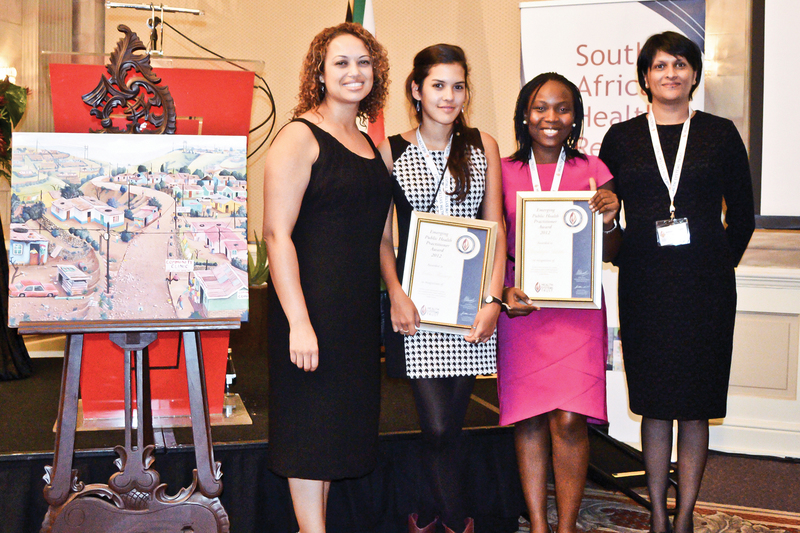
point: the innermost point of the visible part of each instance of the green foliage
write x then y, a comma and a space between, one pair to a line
258, 270
34, 211
70, 190
13, 101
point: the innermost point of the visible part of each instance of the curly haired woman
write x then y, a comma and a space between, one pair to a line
326, 197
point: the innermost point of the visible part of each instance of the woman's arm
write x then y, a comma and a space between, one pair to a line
492, 210
405, 317
738, 194
606, 202
287, 173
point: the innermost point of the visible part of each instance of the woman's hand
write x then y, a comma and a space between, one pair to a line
484, 324
604, 201
303, 348
518, 302
405, 317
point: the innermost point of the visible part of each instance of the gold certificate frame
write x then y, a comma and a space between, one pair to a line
559, 249
448, 268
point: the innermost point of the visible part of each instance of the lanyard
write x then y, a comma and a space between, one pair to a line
672, 184
441, 198
537, 185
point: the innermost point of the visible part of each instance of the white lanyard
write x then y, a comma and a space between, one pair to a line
442, 200
672, 185
537, 185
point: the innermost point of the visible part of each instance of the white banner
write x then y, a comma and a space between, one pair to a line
598, 51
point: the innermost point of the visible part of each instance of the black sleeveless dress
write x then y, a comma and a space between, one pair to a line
324, 424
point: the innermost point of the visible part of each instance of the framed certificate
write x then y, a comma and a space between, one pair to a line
559, 249
447, 269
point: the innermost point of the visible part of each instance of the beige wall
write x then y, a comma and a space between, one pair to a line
278, 33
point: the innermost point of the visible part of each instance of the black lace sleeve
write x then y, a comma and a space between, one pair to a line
737, 191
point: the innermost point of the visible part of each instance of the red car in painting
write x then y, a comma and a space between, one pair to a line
27, 288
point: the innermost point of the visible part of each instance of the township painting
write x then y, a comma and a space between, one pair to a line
127, 227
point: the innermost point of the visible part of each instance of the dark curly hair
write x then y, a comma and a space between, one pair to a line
521, 132
463, 136
311, 94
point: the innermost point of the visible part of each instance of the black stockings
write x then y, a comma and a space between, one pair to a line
692, 455
442, 405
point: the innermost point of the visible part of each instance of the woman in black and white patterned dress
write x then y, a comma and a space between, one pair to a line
442, 366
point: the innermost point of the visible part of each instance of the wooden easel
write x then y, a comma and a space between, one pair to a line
134, 495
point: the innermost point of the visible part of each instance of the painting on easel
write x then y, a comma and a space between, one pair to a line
127, 227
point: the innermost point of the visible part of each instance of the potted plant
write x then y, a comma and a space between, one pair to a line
14, 359
13, 100
258, 269
253, 335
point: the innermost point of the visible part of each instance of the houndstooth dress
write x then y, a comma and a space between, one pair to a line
430, 354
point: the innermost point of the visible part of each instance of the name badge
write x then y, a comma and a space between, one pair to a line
672, 232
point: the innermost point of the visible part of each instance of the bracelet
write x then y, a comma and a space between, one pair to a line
615, 226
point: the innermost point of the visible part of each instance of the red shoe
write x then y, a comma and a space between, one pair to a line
413, 528
469, 527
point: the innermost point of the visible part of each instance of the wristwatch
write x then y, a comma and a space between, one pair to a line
495, 300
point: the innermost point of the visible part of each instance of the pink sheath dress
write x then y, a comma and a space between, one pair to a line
552, 358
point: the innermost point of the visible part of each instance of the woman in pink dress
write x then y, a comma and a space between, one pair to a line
551, 362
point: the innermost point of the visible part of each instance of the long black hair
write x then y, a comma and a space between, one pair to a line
526, 95
463, 136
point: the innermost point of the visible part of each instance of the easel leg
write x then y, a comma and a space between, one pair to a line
208, 471
59, 476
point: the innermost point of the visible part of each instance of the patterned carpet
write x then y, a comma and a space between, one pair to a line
608, 511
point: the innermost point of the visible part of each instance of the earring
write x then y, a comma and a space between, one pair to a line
418, 106
463, 108
573, 124
524, 120
322, 88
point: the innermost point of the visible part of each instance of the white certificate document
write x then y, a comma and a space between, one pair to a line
447, 269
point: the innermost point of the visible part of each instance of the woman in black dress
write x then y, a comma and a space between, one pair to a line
673, 169
326, 196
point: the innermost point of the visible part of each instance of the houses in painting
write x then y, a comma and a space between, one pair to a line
220, 239
87, 230
86, 209
27, 247
223, 288
145, 215
73, 280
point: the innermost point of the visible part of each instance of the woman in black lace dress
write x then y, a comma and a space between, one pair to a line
326, 196
673, 169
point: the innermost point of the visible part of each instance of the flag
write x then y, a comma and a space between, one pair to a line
360, 11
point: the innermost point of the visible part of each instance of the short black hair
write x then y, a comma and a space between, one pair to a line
674, 44
521, 133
